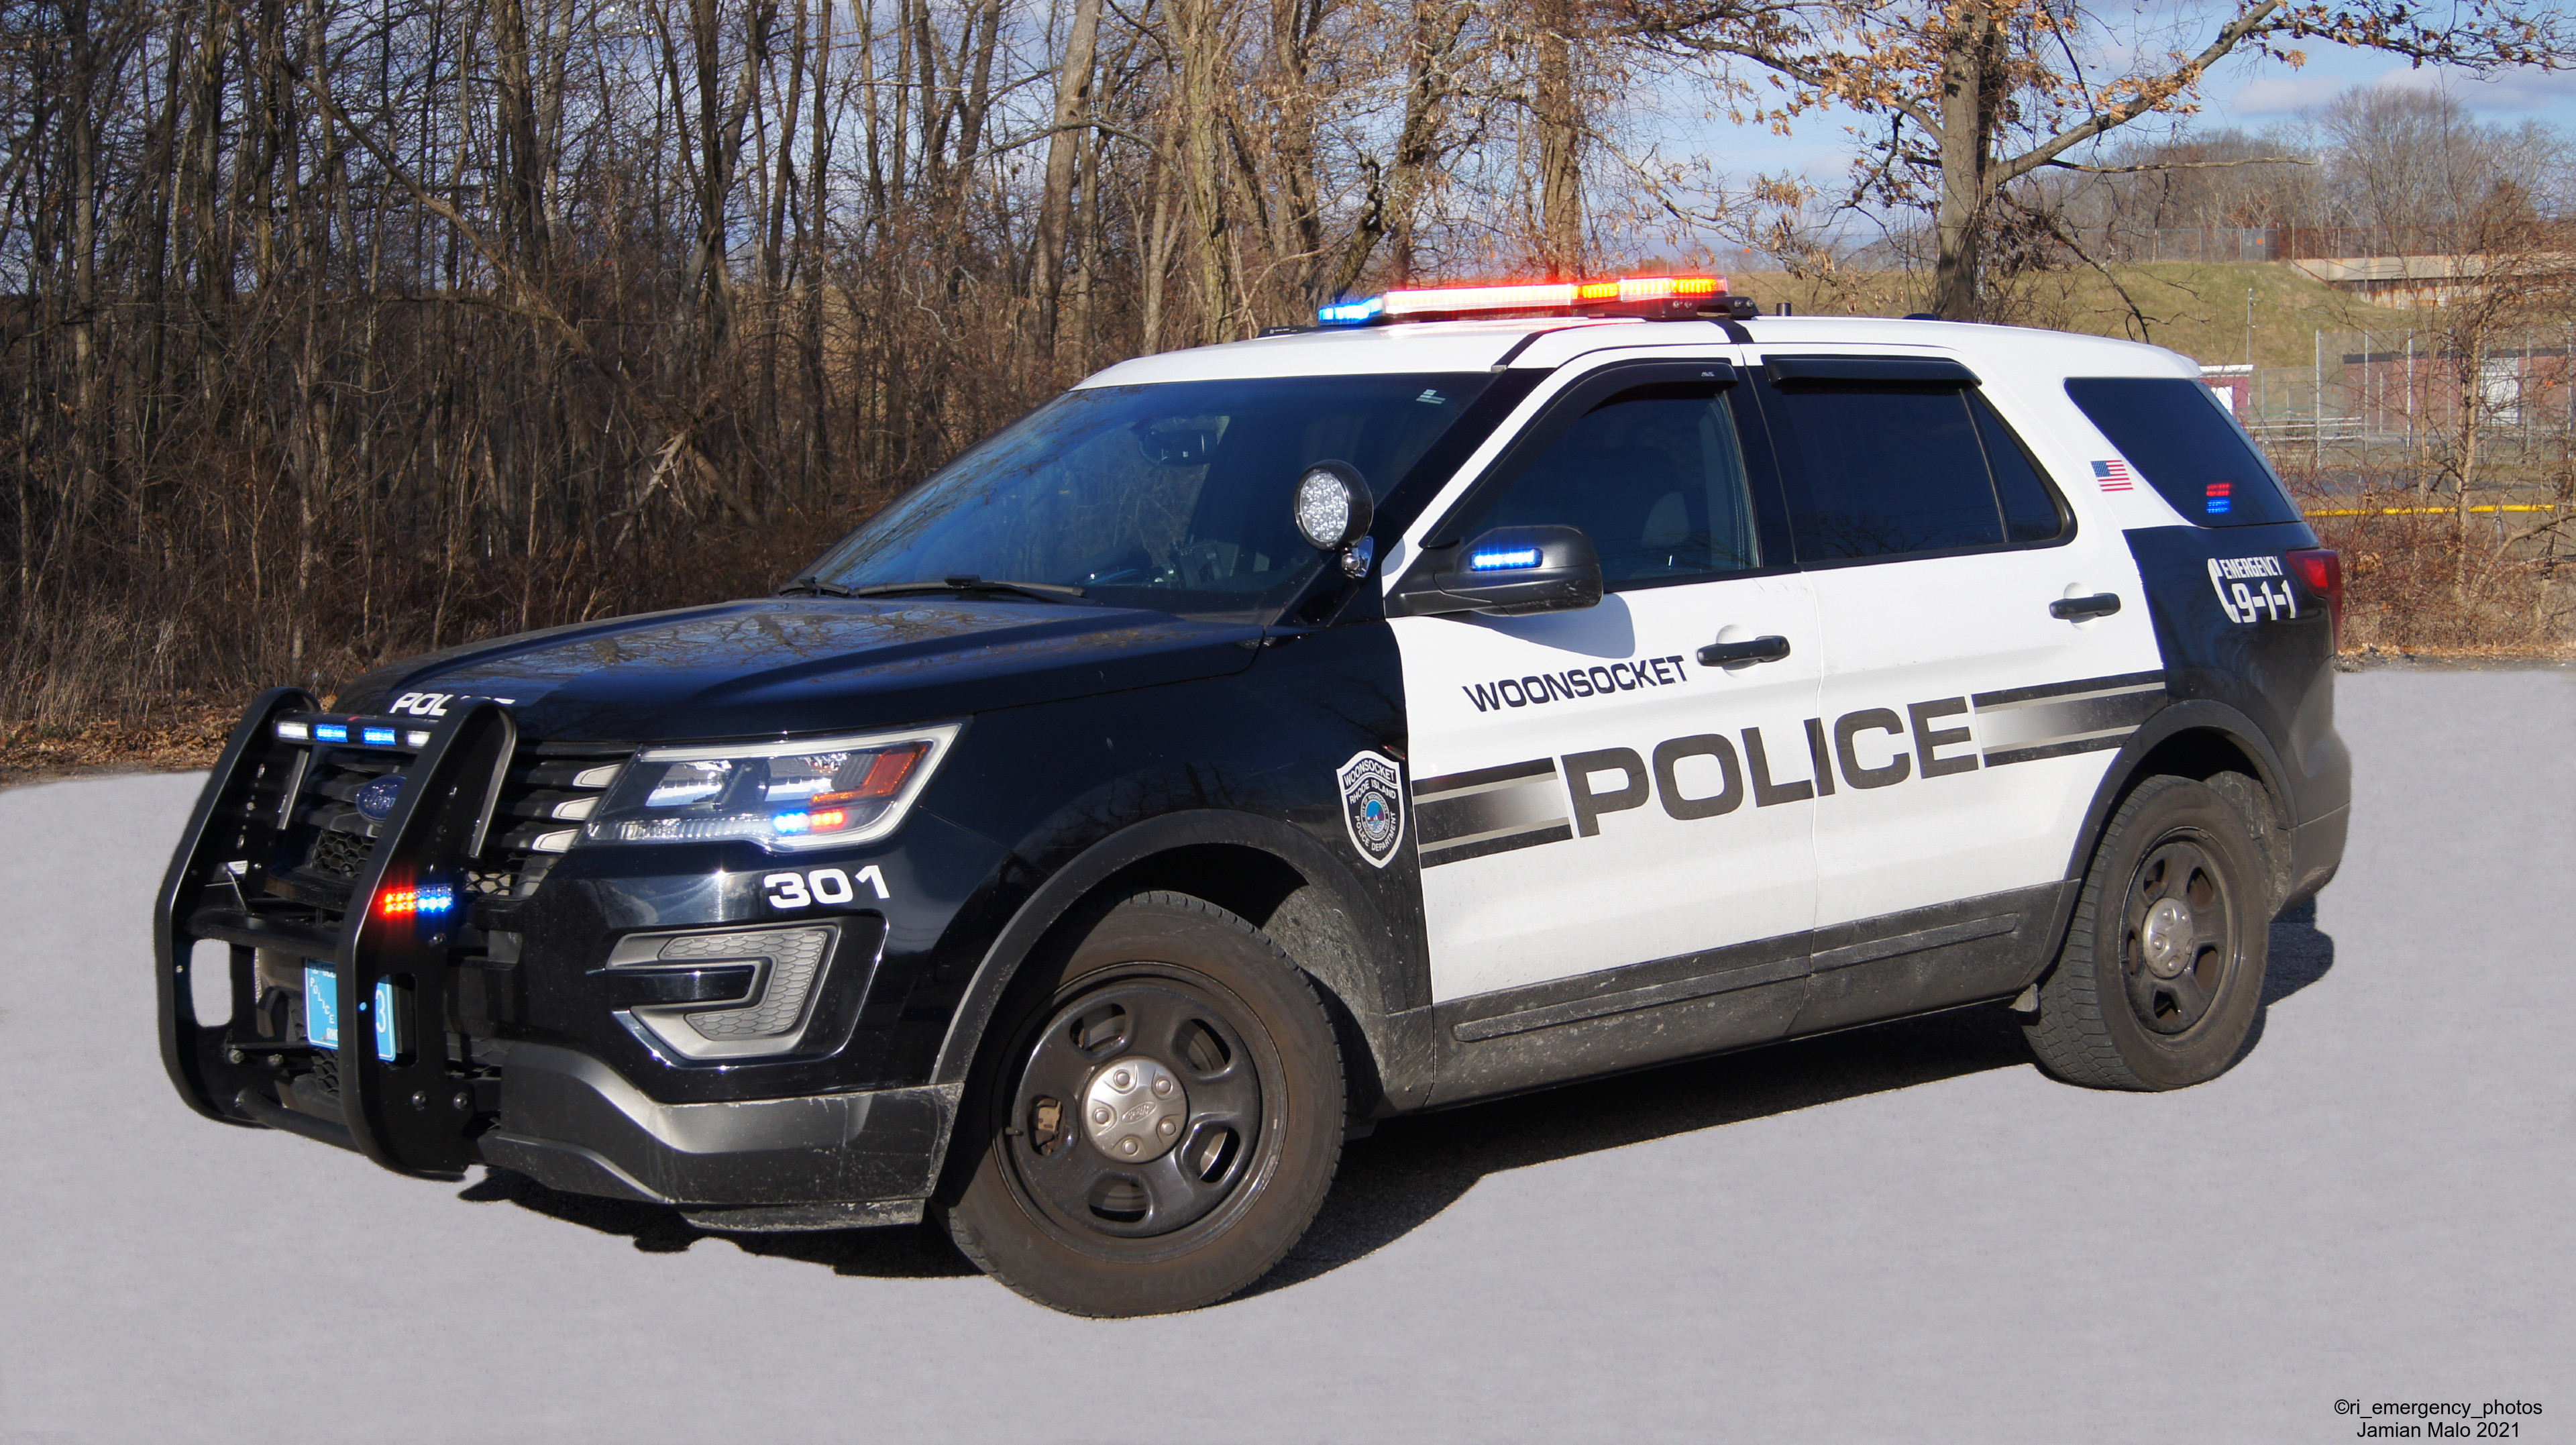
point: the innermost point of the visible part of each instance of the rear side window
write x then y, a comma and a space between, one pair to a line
2171, 430
2032, 512
1892, 470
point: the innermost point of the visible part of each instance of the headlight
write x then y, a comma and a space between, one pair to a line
797, 793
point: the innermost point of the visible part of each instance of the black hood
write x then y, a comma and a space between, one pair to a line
760, 668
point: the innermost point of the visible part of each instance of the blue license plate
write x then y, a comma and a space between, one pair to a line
322, 1012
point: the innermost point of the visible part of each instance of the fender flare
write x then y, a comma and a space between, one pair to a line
1053, 899
2194, 715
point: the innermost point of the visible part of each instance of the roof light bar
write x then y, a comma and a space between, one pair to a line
1660, 297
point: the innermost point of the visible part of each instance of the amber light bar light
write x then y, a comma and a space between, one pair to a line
1633, 295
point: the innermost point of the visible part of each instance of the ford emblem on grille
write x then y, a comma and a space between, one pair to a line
376, 799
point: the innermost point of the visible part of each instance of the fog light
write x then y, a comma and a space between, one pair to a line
772, 1015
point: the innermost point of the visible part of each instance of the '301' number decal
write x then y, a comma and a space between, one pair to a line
823, 885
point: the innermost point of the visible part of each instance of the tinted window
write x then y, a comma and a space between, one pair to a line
1654, 475
1886, 470
2171, 430
2031, 509
1172, 496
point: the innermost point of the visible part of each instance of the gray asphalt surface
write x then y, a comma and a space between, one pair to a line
1903, 1233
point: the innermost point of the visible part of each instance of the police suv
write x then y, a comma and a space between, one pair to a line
1486, 688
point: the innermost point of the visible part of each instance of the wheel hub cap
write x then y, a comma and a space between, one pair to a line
2167, 937
1134, 1109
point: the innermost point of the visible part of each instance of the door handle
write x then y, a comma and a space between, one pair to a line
1752, 649
2078, 609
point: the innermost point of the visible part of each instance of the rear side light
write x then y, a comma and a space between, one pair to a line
2322, 569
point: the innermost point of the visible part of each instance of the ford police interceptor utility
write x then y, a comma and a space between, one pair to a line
1486, 688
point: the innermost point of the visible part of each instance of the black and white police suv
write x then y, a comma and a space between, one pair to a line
1486, 688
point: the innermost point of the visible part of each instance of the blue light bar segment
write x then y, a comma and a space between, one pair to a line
331, 732
377, 737
1503, 561
1351, 313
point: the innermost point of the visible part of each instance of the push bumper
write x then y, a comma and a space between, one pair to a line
410, 1112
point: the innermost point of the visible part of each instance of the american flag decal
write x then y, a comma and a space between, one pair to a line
2114, 476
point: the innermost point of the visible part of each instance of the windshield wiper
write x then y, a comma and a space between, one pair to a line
962, 586
810, 586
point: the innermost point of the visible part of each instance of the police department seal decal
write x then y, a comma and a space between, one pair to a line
1373, 806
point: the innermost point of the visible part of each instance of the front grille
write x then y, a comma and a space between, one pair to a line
337, 854
544, 797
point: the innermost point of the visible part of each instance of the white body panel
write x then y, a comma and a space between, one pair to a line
1940, 631
1646, 884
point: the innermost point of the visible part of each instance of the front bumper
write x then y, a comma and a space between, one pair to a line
572, 1123
547, 1067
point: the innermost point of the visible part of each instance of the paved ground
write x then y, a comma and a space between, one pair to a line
1900, 1234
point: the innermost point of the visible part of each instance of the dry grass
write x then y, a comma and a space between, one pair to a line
188, 736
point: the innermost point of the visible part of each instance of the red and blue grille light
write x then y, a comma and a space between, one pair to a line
1628, 296
415, 902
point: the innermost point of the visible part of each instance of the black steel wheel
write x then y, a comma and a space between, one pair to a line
2162, 972
2176, 942
1158, 1123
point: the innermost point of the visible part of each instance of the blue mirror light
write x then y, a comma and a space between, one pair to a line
1503, 561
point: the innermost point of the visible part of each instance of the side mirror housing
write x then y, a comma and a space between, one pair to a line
1507, 572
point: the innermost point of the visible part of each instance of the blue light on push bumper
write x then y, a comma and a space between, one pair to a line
377, 737
331, 732
1513, 560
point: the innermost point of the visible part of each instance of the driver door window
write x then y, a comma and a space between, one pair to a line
1655, 476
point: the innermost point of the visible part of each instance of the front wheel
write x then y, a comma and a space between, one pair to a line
2162, 971
1160, 1121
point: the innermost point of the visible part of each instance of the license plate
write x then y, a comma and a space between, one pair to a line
322, 1012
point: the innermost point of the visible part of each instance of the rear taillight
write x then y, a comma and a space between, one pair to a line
2322, 569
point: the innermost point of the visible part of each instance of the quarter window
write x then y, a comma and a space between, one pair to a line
1654, 475
2191, 452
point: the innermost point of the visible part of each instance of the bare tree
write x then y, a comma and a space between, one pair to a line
1978, 95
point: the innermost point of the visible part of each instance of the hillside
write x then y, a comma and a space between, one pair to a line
2197, 308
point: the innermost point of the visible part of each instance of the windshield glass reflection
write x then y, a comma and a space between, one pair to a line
1174, 496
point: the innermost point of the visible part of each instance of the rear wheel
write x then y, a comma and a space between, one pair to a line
2162, 972
1159, 1122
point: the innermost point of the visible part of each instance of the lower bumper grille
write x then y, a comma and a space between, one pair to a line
768, 1018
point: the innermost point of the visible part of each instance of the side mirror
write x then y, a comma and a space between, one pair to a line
1508, 571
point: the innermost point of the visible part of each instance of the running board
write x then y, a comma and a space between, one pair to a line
1710, 985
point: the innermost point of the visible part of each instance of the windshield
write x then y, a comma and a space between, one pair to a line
1174, 496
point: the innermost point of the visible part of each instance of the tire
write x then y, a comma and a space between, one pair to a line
2162, 973
1156, 1122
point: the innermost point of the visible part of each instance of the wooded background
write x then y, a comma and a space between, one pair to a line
332, 330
